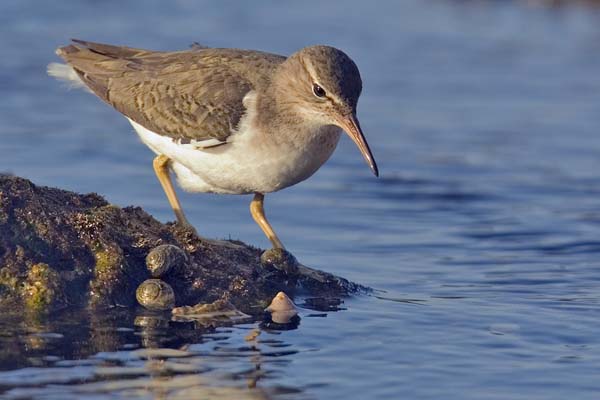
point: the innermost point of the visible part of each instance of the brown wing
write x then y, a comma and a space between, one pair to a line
195, 94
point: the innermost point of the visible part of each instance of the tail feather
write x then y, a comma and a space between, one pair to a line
67, 74
107, 50
82, 70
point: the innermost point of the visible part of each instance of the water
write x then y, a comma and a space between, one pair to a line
482, 236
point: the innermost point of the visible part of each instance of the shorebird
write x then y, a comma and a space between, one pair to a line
226, 120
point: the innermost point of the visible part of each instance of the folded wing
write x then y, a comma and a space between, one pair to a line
192, 95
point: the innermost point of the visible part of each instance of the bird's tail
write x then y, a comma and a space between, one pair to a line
66, 74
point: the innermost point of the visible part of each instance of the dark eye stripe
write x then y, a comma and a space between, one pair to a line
318, 90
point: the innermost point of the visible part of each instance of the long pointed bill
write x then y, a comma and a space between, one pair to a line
352, 127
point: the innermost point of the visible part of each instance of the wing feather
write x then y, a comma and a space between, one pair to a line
192, 95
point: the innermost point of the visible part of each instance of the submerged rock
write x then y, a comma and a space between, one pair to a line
219, 310
60, 249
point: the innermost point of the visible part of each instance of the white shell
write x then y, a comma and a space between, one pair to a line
281, 303
282, 309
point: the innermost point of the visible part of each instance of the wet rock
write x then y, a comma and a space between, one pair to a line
165, 258
324, 304
60, 249
219, 310
155, 294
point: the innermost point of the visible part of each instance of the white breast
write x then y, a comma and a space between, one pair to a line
249, 162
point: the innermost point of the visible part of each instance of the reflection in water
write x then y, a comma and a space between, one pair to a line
280, 322
130, 355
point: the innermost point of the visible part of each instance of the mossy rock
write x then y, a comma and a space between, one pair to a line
43, 288
61, 249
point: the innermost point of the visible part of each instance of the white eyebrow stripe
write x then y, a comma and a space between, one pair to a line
328, 95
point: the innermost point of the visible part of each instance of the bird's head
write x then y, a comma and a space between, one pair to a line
324, 85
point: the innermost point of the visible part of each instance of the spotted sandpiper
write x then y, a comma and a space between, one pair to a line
226, 120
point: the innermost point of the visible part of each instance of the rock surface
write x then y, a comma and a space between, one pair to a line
60, 249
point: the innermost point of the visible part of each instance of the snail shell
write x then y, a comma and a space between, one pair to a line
282, 309
155, 294
280, 259
161, 259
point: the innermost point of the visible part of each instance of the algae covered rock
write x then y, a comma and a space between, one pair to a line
60, 249
43, 287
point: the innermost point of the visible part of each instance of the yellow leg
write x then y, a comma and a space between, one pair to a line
161, 167
258, 213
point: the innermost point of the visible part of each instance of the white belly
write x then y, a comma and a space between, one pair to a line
245, 165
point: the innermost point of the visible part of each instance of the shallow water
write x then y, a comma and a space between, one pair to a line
481, 238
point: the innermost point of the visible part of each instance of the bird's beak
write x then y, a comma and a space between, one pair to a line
349, 123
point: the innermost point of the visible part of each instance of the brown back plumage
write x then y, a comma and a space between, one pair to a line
194, 94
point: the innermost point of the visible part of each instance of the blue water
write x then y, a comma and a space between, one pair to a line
482, 236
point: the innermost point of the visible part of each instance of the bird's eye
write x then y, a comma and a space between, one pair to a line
318, 91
